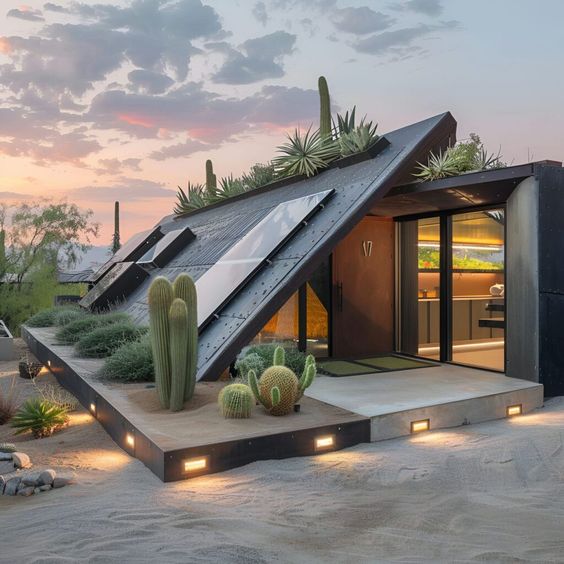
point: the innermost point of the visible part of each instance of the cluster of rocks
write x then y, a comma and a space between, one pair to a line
26, 485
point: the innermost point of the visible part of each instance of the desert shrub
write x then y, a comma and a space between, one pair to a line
52, 316
39, 416
132, 362
104, 341
252, 361
8, 401
67, 315
57, 395
75, 330
295, 360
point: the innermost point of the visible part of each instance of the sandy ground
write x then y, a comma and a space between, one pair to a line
485, 493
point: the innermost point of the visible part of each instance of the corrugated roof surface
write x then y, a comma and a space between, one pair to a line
357, 188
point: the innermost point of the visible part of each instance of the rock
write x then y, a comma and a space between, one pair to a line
27, 491
36, 490
12, 485
62, 482
2, 484
30, 480
44, 488
5, 456
21, 460
46, 477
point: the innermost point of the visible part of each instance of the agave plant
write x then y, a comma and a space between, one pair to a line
487, 161
192, 199
39, 416
439, 166
346, 123
305, 154
228, 187
359, 139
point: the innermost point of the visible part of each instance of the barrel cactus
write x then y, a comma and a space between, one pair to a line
279, 388
8, 447
160, 299
236, 401
178, 325
185, 289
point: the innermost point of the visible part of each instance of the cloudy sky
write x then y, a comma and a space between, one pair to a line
125, 99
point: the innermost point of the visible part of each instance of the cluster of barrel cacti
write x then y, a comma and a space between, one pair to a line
278, 389
174, 339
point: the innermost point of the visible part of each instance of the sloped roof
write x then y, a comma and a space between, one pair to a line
356, 189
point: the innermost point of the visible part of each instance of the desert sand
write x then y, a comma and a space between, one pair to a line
484, 493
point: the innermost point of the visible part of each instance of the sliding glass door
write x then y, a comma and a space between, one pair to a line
451, 288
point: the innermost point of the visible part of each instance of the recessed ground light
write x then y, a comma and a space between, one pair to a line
512, 410
196, 464
93, 408
324, 443
421, 425
49, 363
130, 440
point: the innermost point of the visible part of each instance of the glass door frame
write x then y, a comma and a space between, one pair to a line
445, 282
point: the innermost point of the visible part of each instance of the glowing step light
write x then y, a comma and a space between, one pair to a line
130, 440
193, 465
93, 408
512, 410
420, 426
325, 443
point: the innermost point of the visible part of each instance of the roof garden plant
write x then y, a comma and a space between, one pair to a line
75, 330
466, 156
131, 362
55, 316
104, 340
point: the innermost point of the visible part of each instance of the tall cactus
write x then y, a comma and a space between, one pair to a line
116, 244
160, 299
185, 289
3, 262
324, 108
211, 179
178, 321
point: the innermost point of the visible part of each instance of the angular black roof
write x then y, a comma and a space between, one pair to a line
356, 189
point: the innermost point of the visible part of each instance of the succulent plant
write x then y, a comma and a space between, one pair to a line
324, 108
359, 139
192, 199
279, 388
346, 123
305, 154
39, 416
160, 299
178, 325
8, 447
236, 401
211, 180
442, 165
116, 244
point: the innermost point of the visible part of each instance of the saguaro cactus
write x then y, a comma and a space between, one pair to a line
160, 299
178, 321
185, 289
116, 244
211, 179
324, 108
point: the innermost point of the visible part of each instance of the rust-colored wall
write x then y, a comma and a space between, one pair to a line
365, 323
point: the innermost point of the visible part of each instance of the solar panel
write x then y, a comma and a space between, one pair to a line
114, 286
217, 286
167, 248
132, 250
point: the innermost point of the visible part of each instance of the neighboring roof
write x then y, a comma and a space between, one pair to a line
356, 189
76, 277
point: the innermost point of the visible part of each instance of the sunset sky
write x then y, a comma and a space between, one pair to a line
126, 99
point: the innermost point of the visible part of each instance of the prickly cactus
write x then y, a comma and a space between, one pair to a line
8, 447
116, 243
160, 299
178, 323
211, 179
236, 401
185, 289
308, 376
324, 108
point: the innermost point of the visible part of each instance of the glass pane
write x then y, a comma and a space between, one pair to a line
237, 265
283, 326
478, 309
318, 302
428, 286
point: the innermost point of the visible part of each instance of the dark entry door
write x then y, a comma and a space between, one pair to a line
363, 290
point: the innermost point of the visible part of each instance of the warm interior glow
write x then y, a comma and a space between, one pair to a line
194, 464
418, 426
130, 440
324, 442
514, 410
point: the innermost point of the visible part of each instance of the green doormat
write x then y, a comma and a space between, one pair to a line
394, 363
344, 368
